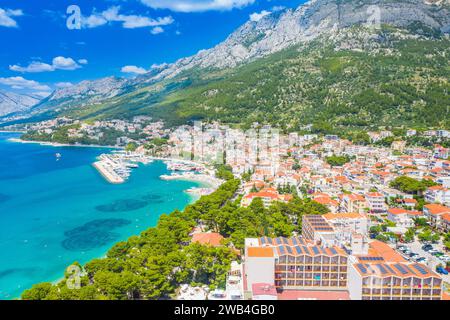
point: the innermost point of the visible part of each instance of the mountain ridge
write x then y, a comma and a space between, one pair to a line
252, 41
11, 102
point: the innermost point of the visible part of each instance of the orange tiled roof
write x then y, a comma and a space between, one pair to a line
212, 239
435, 188
437, 209
446, 217
383, 250
374, 194
260, 252
396, 211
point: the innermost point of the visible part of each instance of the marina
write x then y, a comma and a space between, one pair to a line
116, 167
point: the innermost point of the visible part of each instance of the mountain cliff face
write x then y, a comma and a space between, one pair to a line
284, 29
342, 24
12, 102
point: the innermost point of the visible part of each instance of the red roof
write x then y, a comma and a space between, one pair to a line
381, 249
446, 217
437, 209
313, 294
396, 211
263, 289
260, 252
212, 239
374, 194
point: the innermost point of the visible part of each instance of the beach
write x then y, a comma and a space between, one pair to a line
55, 144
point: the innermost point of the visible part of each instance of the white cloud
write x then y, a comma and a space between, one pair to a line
157, 30
63, 63
22, 83
133, 69
93, 21
64, 84
34, 66
197, 5
58, 63
128, 21
5, 17
258, 16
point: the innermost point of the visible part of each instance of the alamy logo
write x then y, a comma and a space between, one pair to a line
374, 20
74, 18
74, 279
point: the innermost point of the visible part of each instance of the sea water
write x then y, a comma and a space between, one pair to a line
58, 210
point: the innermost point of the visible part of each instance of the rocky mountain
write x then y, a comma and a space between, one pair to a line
12, 102
286, 28
345, 25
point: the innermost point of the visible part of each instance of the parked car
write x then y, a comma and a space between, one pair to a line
438, 254
441, 270
422, 260
427, 247
445, 258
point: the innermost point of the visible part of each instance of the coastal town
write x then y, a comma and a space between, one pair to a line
385, 233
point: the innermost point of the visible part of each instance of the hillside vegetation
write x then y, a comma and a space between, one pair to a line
389, 79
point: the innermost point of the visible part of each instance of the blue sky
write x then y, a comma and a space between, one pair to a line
39, 53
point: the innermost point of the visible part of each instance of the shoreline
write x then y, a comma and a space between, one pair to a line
56, 144
11, 131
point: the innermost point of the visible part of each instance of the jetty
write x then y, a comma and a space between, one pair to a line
116, 167
108, 173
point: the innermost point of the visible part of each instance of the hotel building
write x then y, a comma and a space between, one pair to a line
373, 279
295, 264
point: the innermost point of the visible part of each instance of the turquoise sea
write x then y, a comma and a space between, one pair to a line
53, 213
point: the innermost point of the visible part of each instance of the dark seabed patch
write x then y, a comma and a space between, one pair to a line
123, 205
94, 234
152, 198
25, 271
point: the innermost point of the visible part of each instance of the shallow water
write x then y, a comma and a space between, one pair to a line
53, 213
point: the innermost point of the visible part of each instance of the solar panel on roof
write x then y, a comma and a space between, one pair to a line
383, 270
278, 240
295, 241
362, 268
298, 249
263, 240
400, 268
420, 269
371, 259
333, 250
282, 250
316, 250
389, 268
289, 249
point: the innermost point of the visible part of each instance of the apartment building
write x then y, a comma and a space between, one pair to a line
383, 274
295, 264
375, 202
315, 228
438, 194
434, 213
267, 196
353, 203
348, 222
379, 280
400, 217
